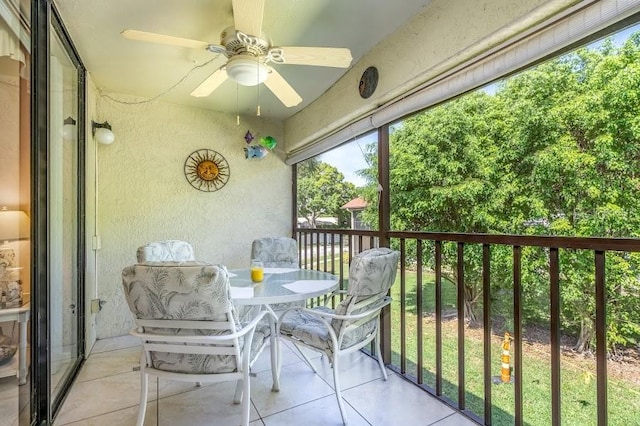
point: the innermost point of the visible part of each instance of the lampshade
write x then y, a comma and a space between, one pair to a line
102, 132
247, 71
14, 225
105, 136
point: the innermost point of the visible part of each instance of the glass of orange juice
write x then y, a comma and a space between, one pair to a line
257, 270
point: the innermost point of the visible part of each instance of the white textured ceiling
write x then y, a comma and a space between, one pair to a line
148, 70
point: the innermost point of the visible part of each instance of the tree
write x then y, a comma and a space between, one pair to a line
442, 179
555, 151
322, 191
576, 130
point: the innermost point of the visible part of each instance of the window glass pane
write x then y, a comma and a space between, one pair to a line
550, 151
553, 150
63, 214
15, 213
337, 189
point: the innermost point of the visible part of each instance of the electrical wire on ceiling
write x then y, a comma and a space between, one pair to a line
104, 95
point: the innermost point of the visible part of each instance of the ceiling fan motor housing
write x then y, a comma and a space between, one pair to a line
237, 42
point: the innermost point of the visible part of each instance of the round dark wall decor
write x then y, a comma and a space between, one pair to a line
368, 82
206, 170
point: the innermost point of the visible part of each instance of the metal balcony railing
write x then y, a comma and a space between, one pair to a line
405, 331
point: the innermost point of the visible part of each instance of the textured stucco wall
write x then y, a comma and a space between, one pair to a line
143, 194
443, 35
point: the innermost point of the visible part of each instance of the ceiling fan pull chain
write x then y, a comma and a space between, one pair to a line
258, 86
237, 106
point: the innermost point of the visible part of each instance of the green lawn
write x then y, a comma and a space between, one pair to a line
578, 397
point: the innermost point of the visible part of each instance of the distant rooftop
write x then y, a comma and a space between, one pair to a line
355, 204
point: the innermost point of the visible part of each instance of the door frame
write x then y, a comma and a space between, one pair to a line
44, 20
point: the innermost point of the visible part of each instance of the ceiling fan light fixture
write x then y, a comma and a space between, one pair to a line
247, 71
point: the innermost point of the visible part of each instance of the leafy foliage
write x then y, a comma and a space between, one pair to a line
554, 151
322, 191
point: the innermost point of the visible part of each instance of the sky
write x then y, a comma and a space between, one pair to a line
348, 158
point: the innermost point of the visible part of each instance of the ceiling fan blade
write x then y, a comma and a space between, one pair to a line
338, 57
164, 39
211, 83
283, 91
247, 16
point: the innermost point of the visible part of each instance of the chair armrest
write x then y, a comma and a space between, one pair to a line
326, 317
195, 339
254, 322
330, 296
387, 300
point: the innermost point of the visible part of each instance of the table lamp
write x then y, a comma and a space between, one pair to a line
14, 225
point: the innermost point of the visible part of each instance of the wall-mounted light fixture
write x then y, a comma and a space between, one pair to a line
102, 132
69, 130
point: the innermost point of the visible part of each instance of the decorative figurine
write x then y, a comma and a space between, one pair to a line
7, 257
14, 295
255, 151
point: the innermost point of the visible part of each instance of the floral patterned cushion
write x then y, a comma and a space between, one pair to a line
168, 250
188, 291
308, 328
371, 274
278, 252
373, 271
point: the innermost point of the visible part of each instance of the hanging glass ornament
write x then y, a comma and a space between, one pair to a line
268, 142
255, 151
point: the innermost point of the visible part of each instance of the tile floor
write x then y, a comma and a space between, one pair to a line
14, 402
107, 389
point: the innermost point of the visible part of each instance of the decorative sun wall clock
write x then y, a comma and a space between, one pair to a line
206, 170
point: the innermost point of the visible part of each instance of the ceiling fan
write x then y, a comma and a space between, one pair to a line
249, 53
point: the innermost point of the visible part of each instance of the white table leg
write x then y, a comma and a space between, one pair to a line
275, 351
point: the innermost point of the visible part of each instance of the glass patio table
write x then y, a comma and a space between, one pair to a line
280, 285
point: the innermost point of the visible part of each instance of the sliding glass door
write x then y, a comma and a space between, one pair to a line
57, 94
63, 214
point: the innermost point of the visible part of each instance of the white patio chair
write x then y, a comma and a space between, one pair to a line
276, 252
190, 329
355, 321
165, 251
